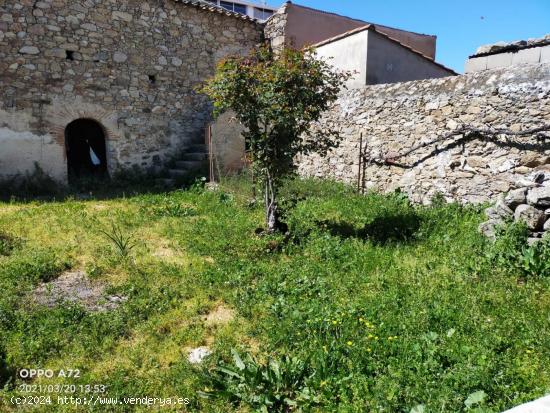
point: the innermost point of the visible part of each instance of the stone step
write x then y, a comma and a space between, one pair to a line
191, 165
194, 156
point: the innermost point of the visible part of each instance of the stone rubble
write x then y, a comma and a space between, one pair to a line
197, 355
529, 205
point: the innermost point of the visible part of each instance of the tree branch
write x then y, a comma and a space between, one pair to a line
465, 133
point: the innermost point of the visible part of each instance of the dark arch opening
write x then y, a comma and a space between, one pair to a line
86, 150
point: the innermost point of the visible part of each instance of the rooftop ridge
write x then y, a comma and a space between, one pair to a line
207, 6
357, 20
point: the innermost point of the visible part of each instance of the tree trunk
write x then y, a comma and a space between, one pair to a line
271, 215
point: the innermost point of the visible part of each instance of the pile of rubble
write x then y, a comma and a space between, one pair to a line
530, 204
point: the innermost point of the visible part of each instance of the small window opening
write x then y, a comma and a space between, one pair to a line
69, 54
152, 79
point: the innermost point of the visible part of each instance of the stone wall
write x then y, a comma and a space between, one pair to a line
228, 147
394, 118
133, 66
275, 29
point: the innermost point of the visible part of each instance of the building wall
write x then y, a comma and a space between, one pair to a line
228, 145
299, 26
396, 117
348, 54
275, 28
389, 62
506, 59
136, 68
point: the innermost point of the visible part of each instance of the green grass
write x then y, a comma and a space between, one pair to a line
370, 305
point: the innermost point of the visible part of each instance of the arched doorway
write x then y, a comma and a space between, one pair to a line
86, 150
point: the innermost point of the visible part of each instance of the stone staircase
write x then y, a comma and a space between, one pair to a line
190, 165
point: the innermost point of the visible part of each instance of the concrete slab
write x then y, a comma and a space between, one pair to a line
527, 56
499, 60
476, 64
538, 406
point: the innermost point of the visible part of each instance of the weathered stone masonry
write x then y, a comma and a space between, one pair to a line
133, 66
394, 118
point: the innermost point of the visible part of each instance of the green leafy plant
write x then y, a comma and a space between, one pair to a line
173, 209
123, 242
535, 260
279, 385
475, 399
277, 98
512, 252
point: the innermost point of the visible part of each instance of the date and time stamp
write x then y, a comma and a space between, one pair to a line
35, 390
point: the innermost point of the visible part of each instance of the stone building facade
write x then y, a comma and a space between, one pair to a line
395, 118
130, 67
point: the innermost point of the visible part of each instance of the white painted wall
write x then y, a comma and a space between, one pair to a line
496, 61
348, 54
375, 59
21, 149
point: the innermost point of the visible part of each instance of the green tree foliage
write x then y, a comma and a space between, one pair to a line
278, 99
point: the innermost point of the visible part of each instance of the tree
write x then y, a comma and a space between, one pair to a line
277, 99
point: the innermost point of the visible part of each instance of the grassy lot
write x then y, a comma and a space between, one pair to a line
370, 305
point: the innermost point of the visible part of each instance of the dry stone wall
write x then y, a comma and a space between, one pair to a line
395, 118
133, 66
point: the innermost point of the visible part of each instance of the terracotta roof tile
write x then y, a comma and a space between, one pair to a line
204, 5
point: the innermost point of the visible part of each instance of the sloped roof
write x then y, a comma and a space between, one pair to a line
372, 27
206, 6
353, 18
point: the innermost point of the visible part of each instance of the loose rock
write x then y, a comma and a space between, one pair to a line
197, 355
539, 197
516, 198
533, 217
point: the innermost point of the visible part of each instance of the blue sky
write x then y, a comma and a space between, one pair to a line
460, 25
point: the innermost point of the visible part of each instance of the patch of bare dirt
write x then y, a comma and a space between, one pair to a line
164, 252
219, 316
76, 287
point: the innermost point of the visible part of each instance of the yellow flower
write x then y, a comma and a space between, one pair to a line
376, 337
325, 348
323, 383
350, 343
370, 336
369, 349
335, 322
